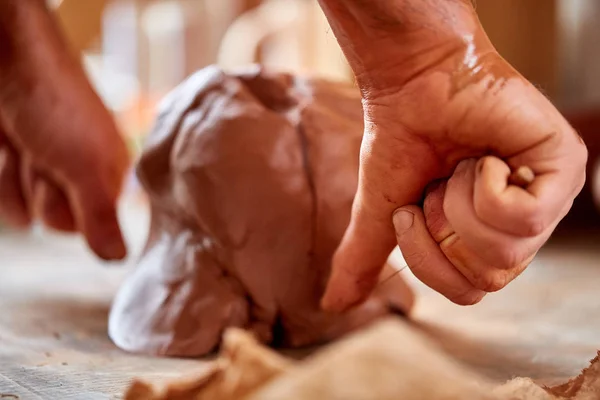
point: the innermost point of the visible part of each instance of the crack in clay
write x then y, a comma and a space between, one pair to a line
310, 179
295, 115
276, 172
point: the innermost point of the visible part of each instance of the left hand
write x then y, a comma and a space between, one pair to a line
62, 159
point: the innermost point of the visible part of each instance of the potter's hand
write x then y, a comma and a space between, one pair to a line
61, 158
440, 103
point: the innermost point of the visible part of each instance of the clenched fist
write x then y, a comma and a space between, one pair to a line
447, 120
61, 158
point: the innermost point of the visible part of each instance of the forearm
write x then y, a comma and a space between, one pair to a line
30, 41
36, 65
41, 82
378, 34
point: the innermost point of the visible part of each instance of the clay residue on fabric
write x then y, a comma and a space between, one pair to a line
586, 384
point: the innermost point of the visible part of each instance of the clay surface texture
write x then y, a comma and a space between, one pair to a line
251, 177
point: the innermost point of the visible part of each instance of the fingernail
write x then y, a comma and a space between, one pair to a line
403, 221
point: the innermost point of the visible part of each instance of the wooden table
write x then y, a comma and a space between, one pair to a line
54, 302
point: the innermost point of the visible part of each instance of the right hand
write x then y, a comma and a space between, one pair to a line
441, 104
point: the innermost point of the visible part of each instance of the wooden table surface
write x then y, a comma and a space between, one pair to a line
54, 302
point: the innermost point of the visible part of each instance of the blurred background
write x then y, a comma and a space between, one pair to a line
135, 51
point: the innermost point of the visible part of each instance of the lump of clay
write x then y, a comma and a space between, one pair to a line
251, 178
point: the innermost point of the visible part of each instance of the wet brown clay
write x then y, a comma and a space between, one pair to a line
251, 178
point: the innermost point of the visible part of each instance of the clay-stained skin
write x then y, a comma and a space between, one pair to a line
251, 178
389, 43
479, 62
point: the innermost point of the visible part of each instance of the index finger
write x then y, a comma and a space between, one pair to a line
94, 209
386, 182
358, 261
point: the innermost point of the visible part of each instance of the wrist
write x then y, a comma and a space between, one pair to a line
18, 22
32, 50
397, 39
30, 40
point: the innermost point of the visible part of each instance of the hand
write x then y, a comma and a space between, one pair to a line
64, 162
441, 105
61, 157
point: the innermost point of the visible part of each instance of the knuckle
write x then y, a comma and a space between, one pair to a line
534, 224
583, 153
438, 225
469, 297
581, 179
581, 161
415, 260
580, 185
508, 258
433, 210
492, 281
